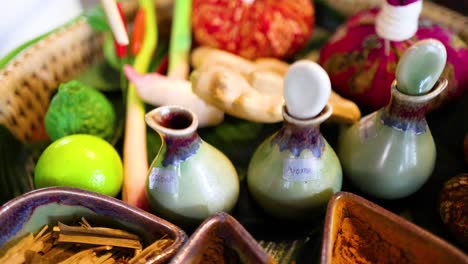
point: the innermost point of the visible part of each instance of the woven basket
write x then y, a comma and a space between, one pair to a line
28, 80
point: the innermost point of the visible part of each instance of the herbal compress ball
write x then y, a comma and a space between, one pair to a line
253, 28
453, 207
362, 68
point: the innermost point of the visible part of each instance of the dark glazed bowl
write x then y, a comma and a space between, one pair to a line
31, 211
359, 231
221, 239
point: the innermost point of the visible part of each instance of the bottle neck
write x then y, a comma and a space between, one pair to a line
177, 127
408, 113
405, 116
180, 148
298, 138
297, 135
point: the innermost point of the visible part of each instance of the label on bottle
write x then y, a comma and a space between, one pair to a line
163, 180
367, 127
301, 170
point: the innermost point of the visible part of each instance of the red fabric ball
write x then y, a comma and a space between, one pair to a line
262, 28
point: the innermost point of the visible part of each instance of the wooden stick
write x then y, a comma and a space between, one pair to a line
59, 253
98, 240
84, 222
155, 248
109, 261
103, 231
115, 22
16, 253
32, 257
41, 232
135, 157
103, 258
82, 254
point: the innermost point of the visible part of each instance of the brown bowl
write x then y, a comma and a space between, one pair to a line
359, 231
29, 212
221, 239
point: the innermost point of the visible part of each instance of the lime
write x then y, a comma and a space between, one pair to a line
81, 161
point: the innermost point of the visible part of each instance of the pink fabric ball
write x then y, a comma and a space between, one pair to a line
360, 69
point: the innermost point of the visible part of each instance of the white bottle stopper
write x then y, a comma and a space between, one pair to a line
307, 88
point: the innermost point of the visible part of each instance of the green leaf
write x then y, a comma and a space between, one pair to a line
238, 138
319, 37
4, 61
97, 19
153, 144
161, 51
108, 49
327, 17
101, 76
16, 166
119, 108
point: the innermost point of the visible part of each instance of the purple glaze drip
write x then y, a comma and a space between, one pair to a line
401, 2
104, 206
179, 149
296, 139
405, 116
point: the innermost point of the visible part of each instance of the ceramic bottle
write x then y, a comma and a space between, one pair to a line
390, 153
189, 179
294, 172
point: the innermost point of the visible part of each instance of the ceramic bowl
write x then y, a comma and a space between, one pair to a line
221, 239
359, 231
31, 211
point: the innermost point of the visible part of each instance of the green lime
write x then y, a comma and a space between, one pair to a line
81, 161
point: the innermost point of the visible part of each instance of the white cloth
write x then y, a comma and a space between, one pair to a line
398, 23
22, 20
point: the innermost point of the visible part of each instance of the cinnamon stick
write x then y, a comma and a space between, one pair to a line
103, 231
153, 249
99, 240
84, 223
82, 244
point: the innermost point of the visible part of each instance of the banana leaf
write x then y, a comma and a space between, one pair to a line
16, 166
288, 242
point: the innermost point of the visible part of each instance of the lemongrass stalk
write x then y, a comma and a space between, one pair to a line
134, 151
181, 40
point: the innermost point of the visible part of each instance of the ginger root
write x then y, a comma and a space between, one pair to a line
252, 90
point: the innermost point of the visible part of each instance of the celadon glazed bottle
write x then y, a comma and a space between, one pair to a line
294, 172
390, 153
189, 179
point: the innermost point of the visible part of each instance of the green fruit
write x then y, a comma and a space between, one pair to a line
81, 161
79, 109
